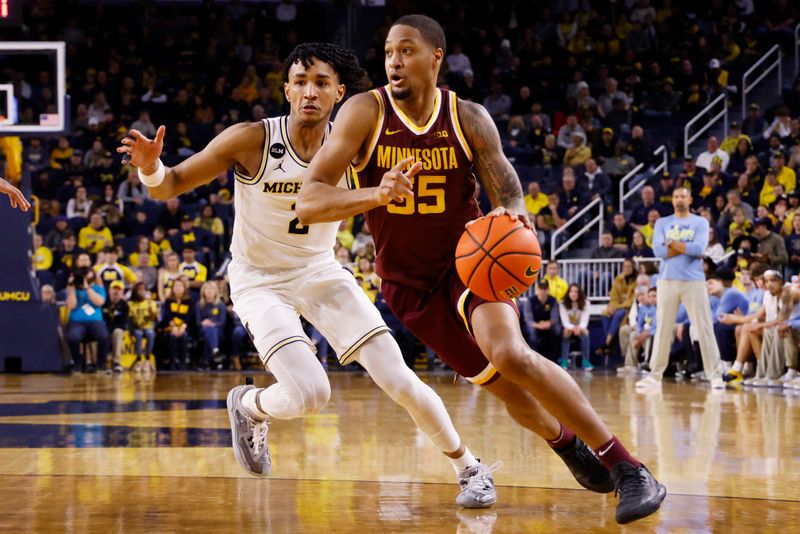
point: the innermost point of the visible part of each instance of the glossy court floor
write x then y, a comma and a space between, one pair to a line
103, 454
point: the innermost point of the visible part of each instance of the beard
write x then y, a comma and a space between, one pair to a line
401, 94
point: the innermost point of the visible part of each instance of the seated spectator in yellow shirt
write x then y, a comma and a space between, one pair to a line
108, 269
192, 269
768, 194
535, 200
740, 222
42, 256
143, 246
577, 154
786, 176
558, 286
344, 236
96, 236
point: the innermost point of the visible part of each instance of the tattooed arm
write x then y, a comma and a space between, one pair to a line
494, 170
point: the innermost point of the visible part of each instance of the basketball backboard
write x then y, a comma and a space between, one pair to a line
33, 97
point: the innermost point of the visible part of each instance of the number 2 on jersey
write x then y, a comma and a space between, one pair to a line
427, 199
294, 225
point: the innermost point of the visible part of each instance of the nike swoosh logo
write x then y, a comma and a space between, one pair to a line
603, 453
392, 132
530, 273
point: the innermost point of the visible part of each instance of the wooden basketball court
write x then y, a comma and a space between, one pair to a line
103, 454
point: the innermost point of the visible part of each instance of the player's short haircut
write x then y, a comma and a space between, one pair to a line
343, 61
430, 30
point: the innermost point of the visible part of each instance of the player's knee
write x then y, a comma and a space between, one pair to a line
512, 358
316, 397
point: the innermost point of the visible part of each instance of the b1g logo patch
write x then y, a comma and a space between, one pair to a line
277, 150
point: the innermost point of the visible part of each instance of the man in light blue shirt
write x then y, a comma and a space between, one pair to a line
730, 301
679, 240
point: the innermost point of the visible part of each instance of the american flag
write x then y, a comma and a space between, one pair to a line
48, 119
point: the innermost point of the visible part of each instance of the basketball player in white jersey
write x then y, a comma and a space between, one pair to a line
16, 197
281, 269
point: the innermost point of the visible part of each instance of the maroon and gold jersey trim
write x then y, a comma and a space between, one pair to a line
252, 180
462, 139
376, 134
418, 130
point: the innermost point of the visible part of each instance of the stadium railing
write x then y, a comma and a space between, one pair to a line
775, 55
595, 276
688, 140
797, 50
625, 195
578, 218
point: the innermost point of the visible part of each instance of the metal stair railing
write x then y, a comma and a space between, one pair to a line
775, 52
576, 219
687, 141
625, 195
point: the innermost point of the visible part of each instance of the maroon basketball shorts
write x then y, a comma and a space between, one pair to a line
441, 318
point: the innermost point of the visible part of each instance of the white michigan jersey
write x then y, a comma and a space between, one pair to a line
266, 230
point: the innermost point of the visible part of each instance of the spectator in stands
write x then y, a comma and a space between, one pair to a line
177, 315
754, 327
622, 232
771, 248
362, 239
80, 206
574, 315
639, 214
132, 192
780, 125
540, 313
570, 196
108, 269
85, 299
55, 236
713, 151
211, 316
754, 125
550, 155
786, 176
731, 301
739, 157
638, 148
715, 251
115, 314
612, 92
792, 243
648, 229
595, 183
734, 203
208, 221
171, 216
664, 193
691, 177
96, 236
159, 244
457, 61
195, 272
620, 165
557, 286
619, 302
568, 130
578, 152
498, 104
42, 256
706, 195
639, 247
142, 247
628, 331
145, 272
734, 137
168, 274
144, 125
143, 316
35, 157
606, 249
535, 200
60, 155
645, 322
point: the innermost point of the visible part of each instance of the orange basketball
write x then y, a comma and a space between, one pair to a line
498, 258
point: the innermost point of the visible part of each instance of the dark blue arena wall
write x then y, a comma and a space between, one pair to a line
28, 328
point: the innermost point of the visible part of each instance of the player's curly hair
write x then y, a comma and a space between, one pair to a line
343, 61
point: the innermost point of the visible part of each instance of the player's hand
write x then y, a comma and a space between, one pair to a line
16, 197
396, 183
142, 152
521, 217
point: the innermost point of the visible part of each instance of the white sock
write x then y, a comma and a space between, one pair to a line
250, 403
737, 366
464, 461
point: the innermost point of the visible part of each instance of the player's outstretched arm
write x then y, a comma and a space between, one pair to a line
16, 197
494, 170
199, 169
320, 199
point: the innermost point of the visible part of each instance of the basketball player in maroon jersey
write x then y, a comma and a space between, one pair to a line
414, 147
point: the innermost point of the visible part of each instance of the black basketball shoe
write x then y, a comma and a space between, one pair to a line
640, 494
586, 468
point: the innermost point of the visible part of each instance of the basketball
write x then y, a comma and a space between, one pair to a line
498, 258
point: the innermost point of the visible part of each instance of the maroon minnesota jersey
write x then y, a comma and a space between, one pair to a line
416, 239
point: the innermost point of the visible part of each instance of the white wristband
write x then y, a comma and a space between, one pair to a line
155, 179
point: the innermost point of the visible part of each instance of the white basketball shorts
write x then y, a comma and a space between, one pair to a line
324, 293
